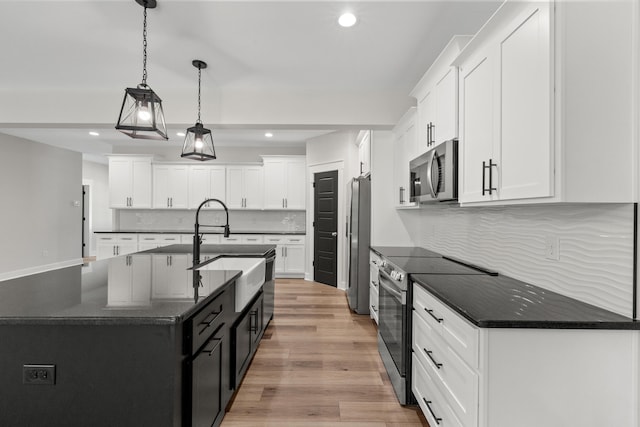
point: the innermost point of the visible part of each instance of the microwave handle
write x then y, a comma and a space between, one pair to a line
430, 161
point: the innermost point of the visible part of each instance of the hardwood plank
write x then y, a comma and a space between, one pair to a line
318, 366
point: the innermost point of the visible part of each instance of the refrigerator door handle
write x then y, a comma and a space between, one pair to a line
334, 234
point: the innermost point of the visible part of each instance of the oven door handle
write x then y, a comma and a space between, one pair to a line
399, 295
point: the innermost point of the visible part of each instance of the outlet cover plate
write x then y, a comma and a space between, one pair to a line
39, 374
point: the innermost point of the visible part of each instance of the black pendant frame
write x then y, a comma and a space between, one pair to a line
129, 121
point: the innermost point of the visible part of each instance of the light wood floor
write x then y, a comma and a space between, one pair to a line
317, 366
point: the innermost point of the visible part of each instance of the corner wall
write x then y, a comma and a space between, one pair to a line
41, 225
100, 216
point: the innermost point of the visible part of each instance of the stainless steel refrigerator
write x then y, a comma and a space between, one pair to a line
359, 237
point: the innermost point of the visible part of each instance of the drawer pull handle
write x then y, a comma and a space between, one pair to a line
374, 308
438, 319
210, 319
212, 350
433, 414
428, 353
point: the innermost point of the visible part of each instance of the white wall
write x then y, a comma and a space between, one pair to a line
41, 226
96, 176
595, 262
387, 225
335, 151
223, 154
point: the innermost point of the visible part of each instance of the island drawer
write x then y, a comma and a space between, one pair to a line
209, 319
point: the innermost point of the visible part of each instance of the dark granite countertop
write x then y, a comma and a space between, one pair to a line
296, 233
404, 251
503, 302
81, 294
214, 251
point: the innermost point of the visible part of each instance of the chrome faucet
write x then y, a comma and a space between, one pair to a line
197, 241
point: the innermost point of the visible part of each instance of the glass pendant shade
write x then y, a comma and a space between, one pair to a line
141, 115
198, 144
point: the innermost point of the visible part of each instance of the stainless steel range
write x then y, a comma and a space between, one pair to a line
394, 327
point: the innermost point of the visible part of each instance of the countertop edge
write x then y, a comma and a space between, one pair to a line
284, 233
531, 324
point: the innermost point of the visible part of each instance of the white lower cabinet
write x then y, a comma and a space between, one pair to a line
110, 245
467, 376
171, 279
129, 281
290, 255
152, 241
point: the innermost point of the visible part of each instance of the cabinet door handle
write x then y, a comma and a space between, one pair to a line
433, 414
491, 189
361, 165
286, 203
254, 315
432, 134
438, 319
401, 195
114, 250
428, 353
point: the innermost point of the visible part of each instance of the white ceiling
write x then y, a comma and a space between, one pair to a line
282, 66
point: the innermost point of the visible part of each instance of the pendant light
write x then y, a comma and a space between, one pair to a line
198, 142
141, 115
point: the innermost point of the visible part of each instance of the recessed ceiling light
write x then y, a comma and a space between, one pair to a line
347, 20
180, 133
92, 133
268, 134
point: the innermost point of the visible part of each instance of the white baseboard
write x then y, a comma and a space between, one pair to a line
39, 269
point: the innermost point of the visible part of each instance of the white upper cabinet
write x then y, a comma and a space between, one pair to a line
129, 182
206, 182
536, 112
476, 149
170, 184
284, 182
437, 100
245, 186
505, 97
405, 135
364, 152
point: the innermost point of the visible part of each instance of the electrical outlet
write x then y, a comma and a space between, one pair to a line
39, 374
551, 247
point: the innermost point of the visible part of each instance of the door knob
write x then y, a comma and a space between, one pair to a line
334, 234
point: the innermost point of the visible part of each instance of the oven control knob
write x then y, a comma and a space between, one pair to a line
399, 277
383, 263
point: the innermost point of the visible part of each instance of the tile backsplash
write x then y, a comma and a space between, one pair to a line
183, 220
595, 245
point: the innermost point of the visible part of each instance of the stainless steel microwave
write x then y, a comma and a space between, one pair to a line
434, 174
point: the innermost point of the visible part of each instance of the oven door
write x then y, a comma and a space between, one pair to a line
392, 319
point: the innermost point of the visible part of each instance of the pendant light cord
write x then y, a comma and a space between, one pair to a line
144, 48
199, 78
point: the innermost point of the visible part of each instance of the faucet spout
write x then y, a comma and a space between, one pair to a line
197, 242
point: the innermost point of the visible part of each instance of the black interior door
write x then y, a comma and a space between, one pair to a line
325, 251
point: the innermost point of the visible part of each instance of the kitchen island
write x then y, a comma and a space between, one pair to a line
92, 345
